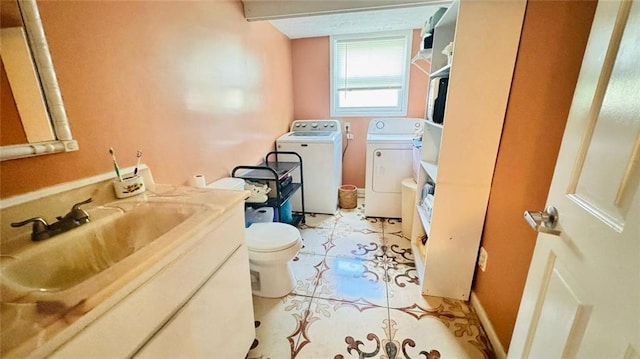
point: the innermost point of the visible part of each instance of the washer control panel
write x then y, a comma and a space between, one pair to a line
316, 126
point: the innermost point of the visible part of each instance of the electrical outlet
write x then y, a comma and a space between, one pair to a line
482, 259
349, 136
347, 126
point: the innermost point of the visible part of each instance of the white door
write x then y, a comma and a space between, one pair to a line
390, 167
582, 296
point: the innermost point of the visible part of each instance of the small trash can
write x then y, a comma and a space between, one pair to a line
348, 196
408, 205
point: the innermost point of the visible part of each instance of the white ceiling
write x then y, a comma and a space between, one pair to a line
406, 18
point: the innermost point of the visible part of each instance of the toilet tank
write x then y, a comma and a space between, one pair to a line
228, 183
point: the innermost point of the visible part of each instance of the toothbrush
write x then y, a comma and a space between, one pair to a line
115, 164
138, 155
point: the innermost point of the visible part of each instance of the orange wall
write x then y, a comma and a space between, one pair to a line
552, 45
11, 131
311, 98
193, 85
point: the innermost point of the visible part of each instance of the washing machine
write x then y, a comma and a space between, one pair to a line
319, 143
389, 161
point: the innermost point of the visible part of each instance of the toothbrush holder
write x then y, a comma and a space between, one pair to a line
130, 185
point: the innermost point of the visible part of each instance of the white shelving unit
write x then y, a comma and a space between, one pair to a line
431, 168
458, 156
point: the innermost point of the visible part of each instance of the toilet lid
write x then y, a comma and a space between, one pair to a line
272, 236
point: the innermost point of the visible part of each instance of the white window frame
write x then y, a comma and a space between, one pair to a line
401, 109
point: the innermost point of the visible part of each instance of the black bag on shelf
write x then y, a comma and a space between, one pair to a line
440, 101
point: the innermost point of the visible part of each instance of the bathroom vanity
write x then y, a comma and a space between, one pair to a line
166, 274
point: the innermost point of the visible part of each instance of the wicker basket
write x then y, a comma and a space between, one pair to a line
348, 196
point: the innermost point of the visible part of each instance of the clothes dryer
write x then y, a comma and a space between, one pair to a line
319, 143
389, 161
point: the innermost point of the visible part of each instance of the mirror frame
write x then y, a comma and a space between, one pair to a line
40, 51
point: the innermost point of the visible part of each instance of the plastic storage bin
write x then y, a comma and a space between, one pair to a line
286, 211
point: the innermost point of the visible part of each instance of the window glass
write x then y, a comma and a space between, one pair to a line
370, 74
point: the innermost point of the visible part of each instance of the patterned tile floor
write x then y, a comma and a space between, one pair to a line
357, 296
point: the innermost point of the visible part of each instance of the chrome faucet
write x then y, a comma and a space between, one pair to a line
41, 230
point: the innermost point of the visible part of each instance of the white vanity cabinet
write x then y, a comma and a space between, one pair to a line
198, 305
458, 156
215, 321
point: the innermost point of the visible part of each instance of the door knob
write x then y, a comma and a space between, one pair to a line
544, 221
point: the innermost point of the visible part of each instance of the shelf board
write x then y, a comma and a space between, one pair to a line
431, 168
441, 72
283, 168
450, 16
418, 250
423, 55
268, 171
433, 124
423, 218
284, 196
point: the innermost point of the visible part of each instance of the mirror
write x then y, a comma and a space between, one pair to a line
43, 121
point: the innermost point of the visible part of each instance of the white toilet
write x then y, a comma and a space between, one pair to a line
272, 246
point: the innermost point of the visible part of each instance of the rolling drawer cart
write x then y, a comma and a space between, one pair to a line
278, 173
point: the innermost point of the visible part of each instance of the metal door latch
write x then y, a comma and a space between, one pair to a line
545, 221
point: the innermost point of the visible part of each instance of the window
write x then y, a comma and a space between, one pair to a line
370, 74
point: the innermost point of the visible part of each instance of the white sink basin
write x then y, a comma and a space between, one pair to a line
94, 254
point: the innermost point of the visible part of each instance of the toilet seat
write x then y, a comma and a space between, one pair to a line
271, 237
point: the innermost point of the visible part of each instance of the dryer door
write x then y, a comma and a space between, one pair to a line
390, 167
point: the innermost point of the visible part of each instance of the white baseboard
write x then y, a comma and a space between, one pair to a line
488, 327
360, 192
